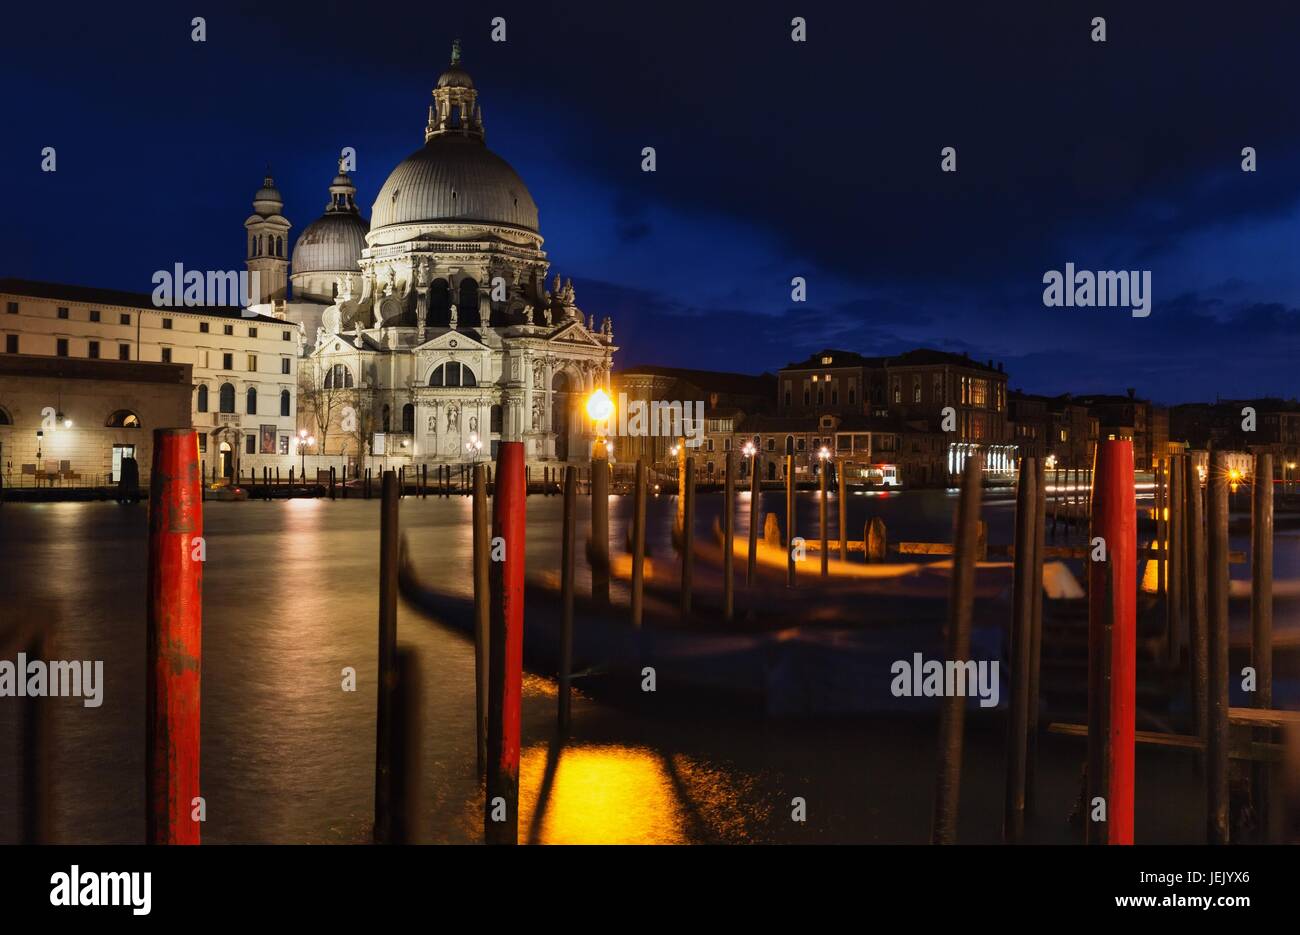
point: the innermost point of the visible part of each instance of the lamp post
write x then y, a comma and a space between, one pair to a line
303, 441
474, 447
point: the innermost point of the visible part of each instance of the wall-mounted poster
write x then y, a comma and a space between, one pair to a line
267, 433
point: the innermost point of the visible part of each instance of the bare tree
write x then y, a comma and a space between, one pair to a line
322, 397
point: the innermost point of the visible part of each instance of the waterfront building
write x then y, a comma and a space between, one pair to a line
244, 365
71, 421
431, 332
1129, 416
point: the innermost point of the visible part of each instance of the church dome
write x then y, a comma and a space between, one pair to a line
331, 243
454, 178
455, 77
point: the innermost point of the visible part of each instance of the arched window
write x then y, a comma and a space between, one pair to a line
5, 418
494, 419
226, 398
279, 246
252, 401
408, 419
439, 301
203, 397
284, 402
387, 420
123, 419
467, 300
452, 373
789, 444
338, 377
252, 245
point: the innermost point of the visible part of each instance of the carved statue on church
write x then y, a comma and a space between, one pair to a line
546, 315
473, 425
390, 285
422, 273
454, 316
538, 408
453, 418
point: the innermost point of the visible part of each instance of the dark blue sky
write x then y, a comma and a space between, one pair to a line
775, 159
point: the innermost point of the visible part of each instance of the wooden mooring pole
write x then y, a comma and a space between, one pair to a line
961, 597
389, 531
755, 514
729, 541
174, 642
1023, 591
1217, 591
598, 554
789, 520
638, 543
1197, 600
506, 649
1261, 617
566, 595
482, 613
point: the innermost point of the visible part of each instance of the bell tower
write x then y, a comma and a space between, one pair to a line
455, 107
267, 243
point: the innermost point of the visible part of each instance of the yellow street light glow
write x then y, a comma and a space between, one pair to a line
599, 406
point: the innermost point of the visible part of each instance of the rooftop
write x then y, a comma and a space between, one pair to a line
93, 295
80, 368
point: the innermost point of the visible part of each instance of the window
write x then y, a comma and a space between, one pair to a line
61, 347
203, 327
250, 444
807, 396
916, 389
167, 324
252, 363
11, 308
338, 377
284, 365
252, 332
852, 394
123, 419
898, 389
92, 350
11, 344
63, 311
284, 336
835, 395
408, 419
203, 443
202, 402
710, 446
166, 355
284, 402
227, 329
124, 352
452, 373
938, 389
726, 443
94, 314
227, 361
771, 444
251, 400
494, 420
226, 400
799, 445
124, 319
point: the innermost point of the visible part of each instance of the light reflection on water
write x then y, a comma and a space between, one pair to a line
288, 756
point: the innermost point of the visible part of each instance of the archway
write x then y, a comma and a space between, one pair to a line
227, 461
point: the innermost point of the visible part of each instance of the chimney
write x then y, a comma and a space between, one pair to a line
1132, 392
999, 366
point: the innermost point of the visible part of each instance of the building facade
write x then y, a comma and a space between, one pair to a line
244, 366
432, 333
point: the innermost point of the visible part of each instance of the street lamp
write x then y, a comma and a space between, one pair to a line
599, 410
303, 441
474, 446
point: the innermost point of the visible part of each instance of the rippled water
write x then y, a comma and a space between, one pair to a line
290, 600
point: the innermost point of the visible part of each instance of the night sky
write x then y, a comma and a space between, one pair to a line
775, 159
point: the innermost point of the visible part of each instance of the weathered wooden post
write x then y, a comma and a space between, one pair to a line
822, 517
599, 548
755, 494
174, 644
688, 534
1112, 642
840, 476
875, 540
1161, 543
961, 598
566, 594
638, 543
1023, 590
1217, 589
1036, 640
1197, 599
506, 649
729, 541
1261, 615
389, 531
482, 612
789, 518
1175, 502
404, 814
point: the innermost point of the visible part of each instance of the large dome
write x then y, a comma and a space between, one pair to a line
454, 178
331, 243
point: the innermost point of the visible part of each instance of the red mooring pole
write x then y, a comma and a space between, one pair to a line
1112, 608
174, 641
506, 648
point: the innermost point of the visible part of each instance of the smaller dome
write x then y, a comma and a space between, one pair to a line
268, 200
330, 244
455, 77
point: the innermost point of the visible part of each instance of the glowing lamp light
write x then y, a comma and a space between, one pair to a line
599, 406
824, 453
748, 450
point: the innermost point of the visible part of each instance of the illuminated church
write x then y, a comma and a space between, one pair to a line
432, 331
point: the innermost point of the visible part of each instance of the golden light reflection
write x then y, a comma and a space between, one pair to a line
598, 795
